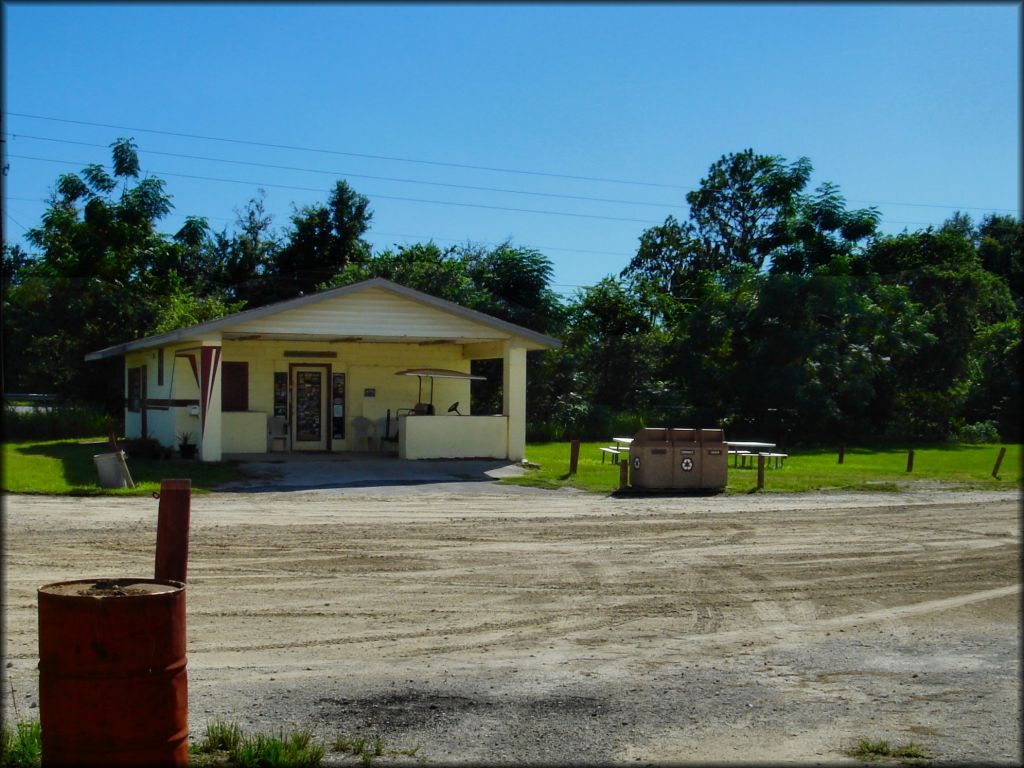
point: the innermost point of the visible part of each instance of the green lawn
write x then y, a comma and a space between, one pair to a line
960, 466
66, 467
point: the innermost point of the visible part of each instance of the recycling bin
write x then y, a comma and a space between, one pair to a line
714, 459
686, 458
650, 459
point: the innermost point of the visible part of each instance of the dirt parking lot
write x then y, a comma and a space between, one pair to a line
561, 627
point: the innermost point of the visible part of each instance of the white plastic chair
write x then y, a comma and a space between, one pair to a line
277, 429
362, 427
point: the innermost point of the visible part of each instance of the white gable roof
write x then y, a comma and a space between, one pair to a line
372, 310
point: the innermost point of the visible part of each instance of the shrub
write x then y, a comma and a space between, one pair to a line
980, 432
57, 422
143, 448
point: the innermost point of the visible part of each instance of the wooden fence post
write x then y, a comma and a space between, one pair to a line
623, 474
760, 471
172, 523
910, 460
842, 453
574, 456
999, 460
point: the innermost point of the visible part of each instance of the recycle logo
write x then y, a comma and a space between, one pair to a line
636, 463
687, 464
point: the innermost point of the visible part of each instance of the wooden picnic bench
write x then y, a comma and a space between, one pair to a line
614, 452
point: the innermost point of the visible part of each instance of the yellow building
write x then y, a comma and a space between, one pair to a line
353, 368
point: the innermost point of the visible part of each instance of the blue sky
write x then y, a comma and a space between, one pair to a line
912, 108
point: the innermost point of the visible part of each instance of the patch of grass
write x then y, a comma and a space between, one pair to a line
66, 467
294, 750
221, 736
21, 745
366, 750
959, 466
875, 750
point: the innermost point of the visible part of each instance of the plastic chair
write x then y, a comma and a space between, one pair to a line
277, 429
362, 427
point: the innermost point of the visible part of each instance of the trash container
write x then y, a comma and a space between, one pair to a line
113, 684
686, 458
112, 469
714, 459
650, 459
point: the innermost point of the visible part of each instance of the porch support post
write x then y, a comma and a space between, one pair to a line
513, 393
209, 401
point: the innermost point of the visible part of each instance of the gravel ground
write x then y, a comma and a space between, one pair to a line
567, 628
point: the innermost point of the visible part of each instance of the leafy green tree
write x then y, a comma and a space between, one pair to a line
742, 208
321, 241
102, 275
244, 259
1001, 250
943, 273
421, 266
615, 345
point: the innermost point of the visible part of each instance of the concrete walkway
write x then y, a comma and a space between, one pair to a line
370, 471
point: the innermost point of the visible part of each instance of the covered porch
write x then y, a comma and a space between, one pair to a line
321, 373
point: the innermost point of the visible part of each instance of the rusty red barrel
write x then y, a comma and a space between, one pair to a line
113, 687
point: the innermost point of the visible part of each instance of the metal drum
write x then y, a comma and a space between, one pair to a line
113, 685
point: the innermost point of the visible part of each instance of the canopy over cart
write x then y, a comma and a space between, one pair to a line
422, 408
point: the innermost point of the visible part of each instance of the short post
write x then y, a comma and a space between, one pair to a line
760, 471
172, 530
842, 453
999, 460
910, 460
623, 475
574, 456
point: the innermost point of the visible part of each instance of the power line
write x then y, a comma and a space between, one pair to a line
350, 154
452, 165
358, 175
368, 194
7, 213
374, 233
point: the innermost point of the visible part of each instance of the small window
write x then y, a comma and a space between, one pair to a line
134, 390
234, 388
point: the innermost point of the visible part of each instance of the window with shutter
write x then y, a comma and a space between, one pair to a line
234, 388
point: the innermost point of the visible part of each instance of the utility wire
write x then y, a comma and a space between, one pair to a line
7, 213
407, 199
417, 238
460, 165
350, 154
358, 175
368, 194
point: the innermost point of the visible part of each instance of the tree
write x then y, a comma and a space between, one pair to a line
943, 273
741, 210
245, 258
103, 274
1001, 250
322, 240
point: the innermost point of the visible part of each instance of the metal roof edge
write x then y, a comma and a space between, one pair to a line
472, 314
282, 306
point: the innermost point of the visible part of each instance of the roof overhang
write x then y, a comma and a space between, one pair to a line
440, 373
221, 327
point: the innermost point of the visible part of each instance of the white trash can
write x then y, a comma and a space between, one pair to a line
113, 470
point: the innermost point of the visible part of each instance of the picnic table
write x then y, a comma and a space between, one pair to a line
615, 451
738, 449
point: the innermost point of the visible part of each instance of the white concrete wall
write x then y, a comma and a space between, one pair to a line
244, 432
452, 437
366, 366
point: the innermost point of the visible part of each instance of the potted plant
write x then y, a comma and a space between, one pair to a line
186, 447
